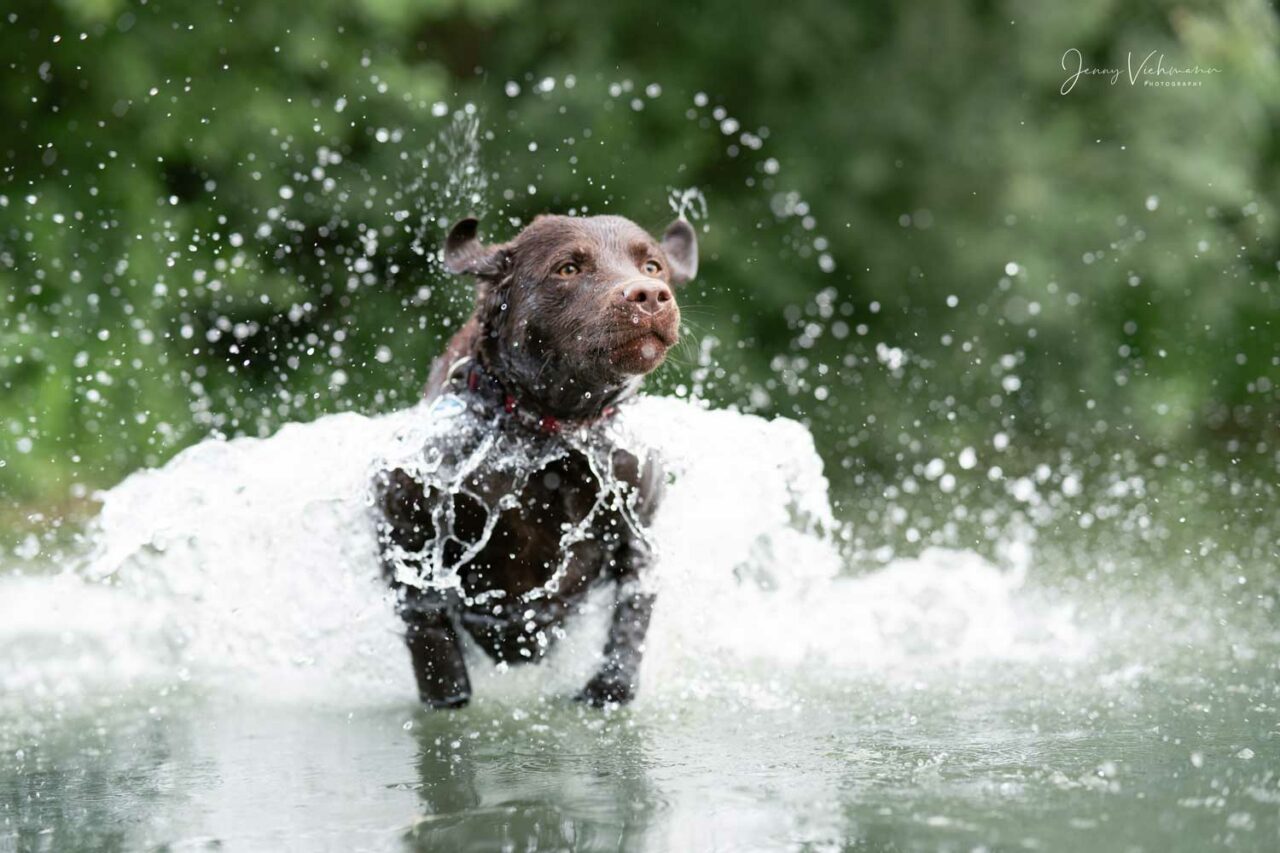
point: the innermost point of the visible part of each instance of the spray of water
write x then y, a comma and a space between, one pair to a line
454, 443
688, 203
250, 565
447, 180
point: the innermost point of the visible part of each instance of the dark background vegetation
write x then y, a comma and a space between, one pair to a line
1094, 275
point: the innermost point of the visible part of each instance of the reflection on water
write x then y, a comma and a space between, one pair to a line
1005, 757
499, 782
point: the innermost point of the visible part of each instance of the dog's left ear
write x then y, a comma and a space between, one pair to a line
680, 243
464, 254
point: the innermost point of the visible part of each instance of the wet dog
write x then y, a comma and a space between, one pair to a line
570, 316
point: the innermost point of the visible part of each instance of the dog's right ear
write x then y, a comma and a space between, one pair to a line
464, 254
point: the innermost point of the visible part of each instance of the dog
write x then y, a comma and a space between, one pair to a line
570, 316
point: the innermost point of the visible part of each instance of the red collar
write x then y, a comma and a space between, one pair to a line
484, 384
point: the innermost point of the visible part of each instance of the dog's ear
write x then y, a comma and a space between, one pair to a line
680, 243
464, 254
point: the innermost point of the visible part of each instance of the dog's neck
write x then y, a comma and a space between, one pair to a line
473, 376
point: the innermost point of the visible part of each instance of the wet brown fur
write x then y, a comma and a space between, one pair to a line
566, 349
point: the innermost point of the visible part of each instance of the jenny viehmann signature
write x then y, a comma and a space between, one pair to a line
1157, 74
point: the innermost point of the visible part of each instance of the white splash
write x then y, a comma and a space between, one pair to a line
251, 565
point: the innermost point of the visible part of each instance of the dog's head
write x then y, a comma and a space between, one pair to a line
576, 306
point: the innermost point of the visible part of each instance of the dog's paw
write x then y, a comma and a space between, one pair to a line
446, 703
606, 689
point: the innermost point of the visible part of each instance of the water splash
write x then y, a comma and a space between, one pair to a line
452, 444
688, 203
448, 181
251, 565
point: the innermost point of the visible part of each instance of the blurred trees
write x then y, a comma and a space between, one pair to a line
220, 216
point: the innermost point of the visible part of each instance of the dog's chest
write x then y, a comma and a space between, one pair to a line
557, 523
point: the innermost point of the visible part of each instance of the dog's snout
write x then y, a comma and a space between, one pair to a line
649, 297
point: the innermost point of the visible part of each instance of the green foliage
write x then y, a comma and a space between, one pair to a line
191, 196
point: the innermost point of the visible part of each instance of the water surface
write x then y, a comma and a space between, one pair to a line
223, 672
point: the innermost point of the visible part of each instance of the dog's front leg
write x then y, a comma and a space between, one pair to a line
618, 677
430, 633
436, 652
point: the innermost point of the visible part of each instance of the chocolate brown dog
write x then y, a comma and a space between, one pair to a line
570, 316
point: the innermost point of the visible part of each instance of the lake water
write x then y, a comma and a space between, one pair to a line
222, 672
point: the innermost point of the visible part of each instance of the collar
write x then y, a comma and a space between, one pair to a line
468, 374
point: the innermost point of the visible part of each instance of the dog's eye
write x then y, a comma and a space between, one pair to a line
652, 267
568, 270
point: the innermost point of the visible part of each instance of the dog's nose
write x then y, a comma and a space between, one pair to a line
648, 296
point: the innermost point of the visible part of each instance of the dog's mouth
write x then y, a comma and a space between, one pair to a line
665, 327
641, 350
